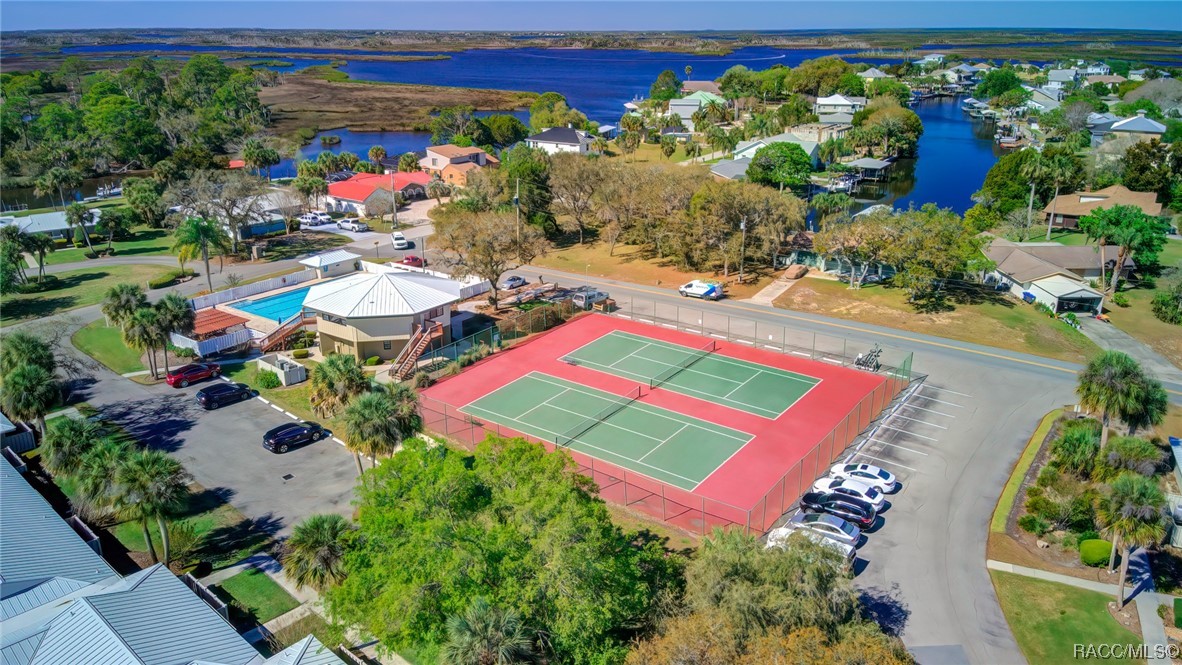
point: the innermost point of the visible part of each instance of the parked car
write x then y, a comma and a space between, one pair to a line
413, 261
321, 216
182, 376
851, 488
292, 435
848, 509
399, 240
700, 289
779, 538
352, 224
513, 282
308, 219
867, 474
221, 394
588, 297
830, 526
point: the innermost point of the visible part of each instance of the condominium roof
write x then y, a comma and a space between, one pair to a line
330, 258
1078, 204
365, 295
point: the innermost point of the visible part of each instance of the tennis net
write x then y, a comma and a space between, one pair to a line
582, 428
681, 366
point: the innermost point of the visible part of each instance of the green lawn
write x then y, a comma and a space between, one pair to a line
1048, 619
257, 597
73, 289
145, 242
281, 248
105, 344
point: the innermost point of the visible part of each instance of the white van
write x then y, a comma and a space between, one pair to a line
586, 298
399, 240
700, 289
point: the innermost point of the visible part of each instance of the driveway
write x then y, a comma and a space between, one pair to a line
1108, 336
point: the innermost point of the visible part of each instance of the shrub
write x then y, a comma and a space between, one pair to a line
1128, 453
299, 353
169, 278
305, 134
184, 542
268, 379
454, 367
1033, 524
1167, 304
1120, 300
421, 380
60, 243
1178, 612
373, 360
181, 352
1075, 449
310, 335
1088, 535
1095, 553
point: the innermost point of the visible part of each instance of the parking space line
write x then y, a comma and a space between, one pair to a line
905, 431
928, 385
263, 400
914, 420
277, 408
933, 399
888, 443
891, 462
938, 413
291, 415
338, 440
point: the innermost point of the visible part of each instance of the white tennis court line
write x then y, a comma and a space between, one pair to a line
738, 362
545, 402
726, 396
604, 423
663, 442
638, 350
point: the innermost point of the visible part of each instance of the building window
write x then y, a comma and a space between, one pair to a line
386, 345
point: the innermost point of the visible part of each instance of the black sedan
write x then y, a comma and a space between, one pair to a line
847, 508
292, 435
221, 394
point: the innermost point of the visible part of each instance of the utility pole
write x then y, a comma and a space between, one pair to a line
517, 204
742, 248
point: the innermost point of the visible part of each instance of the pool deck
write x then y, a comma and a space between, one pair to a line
259, 323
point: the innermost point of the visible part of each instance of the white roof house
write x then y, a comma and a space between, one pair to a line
561, 139
874, 73
749, 148
386, 294
50, 223
839, 104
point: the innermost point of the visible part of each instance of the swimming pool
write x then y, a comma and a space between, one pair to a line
277, 308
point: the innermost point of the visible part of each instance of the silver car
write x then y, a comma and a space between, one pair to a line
779, 538
867, 474
851, 488
830, 526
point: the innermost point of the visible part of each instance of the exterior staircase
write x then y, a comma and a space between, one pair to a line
408, 360
278, 336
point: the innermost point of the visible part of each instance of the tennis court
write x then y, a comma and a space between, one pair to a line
670, 447
697, 372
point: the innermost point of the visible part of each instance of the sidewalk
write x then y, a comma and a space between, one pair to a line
1139, 583
768, 294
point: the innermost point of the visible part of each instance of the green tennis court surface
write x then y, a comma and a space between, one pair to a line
661, 444
758, 389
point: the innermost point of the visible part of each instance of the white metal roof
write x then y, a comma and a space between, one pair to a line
1060, 286
329, 258
366, 295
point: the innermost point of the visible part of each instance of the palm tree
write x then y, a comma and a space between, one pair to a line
485, 635
148, 485
1111, 383
1033, 171
142, 333
1059, 169
121, 302
21, 348
314, 554
202, 235
376, 155
700, 119
599, 144
334, 381
370, 428
176, 316
717, 111
67, 442
28, 393
1132, 515
693, 149
437, 189
77, 217
406, 409
38, 244
57, 179
96, 470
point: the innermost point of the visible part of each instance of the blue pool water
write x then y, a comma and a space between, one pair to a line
277, 308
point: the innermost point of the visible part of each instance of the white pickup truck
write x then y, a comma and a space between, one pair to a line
701, 289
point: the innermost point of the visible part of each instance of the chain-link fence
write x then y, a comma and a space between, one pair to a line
667, 503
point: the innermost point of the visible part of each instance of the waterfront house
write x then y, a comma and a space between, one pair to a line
961, 73
1146, 73
452, 163
1068, 208
376, 314
1043, 99
1062, 78
369, 194
1097, 69
687, 106
561, 139
810, 147
730, 169
838, 104
874, 73
1056, 275
931, 60
52, 224
690, 87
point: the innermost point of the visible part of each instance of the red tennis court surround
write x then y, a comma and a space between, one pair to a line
752, 488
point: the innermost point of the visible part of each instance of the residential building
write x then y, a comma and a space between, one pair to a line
835, 118
984, 67
687, 106
369, 194
333, 263
62, 603
749, 148
961, 73
561, 139
730, 169
838, 104
1062, 78
1053, 274
453, 163
821, 132
1043, 99
1069, 208
1141, 126
1097, 69
1106, 79
874, 73
52, 224
1147, 73
376, 314
690, 87
931, 59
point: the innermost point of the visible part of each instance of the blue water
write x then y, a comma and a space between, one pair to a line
278, 308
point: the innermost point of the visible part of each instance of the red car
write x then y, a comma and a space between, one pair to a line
181, 377
413, 261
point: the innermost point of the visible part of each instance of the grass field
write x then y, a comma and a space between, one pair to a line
282, 248
73, 289
1048, 619
256, 596
650, 152
145, 242
105, 344
998, 321
629, 264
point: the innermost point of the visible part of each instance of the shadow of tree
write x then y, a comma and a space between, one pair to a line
246, 535
884, 607
156, 422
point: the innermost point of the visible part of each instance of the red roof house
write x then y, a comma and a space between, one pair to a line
354, 194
